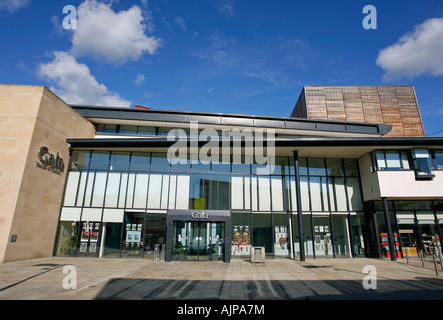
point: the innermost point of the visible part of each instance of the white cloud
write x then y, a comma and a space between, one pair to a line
225, 8
181, 22
13, 5
75, 84
220, 50
416, 53
116, 37
139, 80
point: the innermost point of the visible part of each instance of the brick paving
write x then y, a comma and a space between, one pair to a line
136, 279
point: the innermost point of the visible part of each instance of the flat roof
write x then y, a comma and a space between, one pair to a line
99, 114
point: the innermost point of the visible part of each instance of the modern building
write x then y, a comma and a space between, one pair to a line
146, 183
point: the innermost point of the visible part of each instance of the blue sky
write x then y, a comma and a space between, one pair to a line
232, 56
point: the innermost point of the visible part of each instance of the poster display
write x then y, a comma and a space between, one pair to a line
281, 240
241, 244
89, 236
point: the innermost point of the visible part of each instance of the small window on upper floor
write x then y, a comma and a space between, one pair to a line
390, 160
438, 159
422, 163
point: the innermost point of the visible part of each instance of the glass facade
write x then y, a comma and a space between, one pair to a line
416, 227
126, 196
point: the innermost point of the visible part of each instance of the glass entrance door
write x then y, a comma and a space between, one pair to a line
198, 240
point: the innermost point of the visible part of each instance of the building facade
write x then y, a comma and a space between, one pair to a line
147, 183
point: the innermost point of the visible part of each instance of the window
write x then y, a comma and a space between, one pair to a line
438, 159
390, 160
422, 164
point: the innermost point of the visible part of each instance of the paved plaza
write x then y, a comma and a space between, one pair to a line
137, 279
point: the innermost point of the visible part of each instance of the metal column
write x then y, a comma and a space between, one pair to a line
299, 207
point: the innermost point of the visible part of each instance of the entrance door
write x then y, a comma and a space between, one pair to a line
199, 240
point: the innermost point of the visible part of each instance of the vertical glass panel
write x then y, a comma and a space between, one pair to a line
99, 160
165, 192
122, 192
293, 194
112, 233
88, 191
351, 167
182, 192
155, 187
130, 192
140, 191
71, 188
340, 194
140, 161
307, 232
405, 160
81, 188
237, 192
303, 166
119, 161
335, 168
172, 191
112, 189
325, 193
439, 159
380, 158
254, 191
304, 191
262, 232
277, 193
154, 234
354, 194
316, 166
80, 160
316, 198
224, 189
264, 194
197, 194
247, 189
341, 235
159, 162
212, 202
358, 234
99, 189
